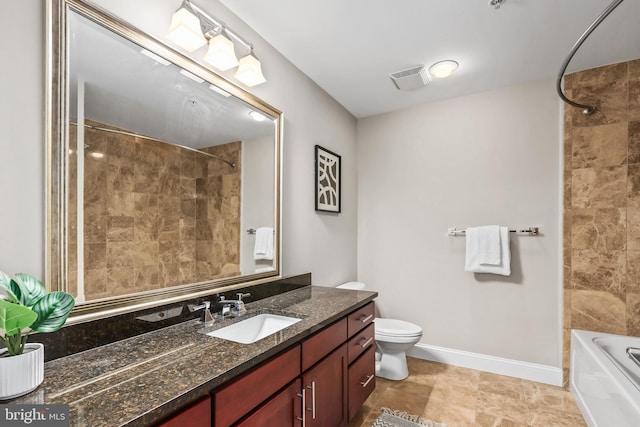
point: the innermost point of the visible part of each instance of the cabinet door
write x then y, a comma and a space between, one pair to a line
362, 380
282, 410
325, 389
196, 415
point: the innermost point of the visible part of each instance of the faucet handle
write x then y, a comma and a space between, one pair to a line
241, 295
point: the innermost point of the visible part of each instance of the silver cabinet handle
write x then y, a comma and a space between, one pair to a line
366, 383
366, 343
313, 400
304, 404
365, 319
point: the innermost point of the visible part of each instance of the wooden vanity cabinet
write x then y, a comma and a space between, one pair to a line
361, 357
325, 371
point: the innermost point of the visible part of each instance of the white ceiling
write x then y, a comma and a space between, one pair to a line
349, 47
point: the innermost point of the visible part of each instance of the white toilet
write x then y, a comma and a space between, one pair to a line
393, 338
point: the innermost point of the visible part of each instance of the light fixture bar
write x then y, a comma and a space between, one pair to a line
216, 25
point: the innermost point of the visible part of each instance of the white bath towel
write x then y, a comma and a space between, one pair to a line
488, 250
264, 243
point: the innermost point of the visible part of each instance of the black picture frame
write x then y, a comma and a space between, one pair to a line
328, 168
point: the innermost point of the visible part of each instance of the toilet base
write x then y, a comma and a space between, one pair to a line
392, 366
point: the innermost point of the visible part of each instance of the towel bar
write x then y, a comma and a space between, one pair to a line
253, 231
531, 231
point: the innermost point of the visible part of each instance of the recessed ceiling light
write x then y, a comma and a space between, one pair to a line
443, 69
257, 116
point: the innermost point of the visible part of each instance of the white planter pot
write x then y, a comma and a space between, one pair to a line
23, 373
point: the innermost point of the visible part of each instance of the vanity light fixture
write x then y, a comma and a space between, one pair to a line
192, 28
249, 70
185, 28
221, 53
443, 69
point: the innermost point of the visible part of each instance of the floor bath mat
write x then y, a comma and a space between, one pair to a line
391, 418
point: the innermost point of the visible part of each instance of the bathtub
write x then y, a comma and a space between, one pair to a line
604, 381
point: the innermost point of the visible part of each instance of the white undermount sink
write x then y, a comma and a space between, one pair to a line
254, 328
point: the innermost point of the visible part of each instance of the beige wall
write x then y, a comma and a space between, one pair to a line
489, 158
602, 203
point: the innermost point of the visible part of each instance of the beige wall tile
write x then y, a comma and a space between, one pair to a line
598, 229
599, 187
598, 311
634, 70
633, 228
604, 74
610, 100
633, 272
633, 136
599, 271
599, 146
633, 314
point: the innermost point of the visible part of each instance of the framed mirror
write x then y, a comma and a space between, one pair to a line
163, 177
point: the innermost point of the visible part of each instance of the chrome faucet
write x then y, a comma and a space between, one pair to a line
233, 308
207, 317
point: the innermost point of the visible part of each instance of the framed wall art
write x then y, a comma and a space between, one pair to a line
328, 176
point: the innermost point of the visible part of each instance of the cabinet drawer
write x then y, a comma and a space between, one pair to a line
362, 380
360, 319
361, 342
323, 343
238, 398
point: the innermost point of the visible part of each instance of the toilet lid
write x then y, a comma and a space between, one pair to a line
396, 327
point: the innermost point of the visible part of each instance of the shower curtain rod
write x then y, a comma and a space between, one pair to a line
122, 132
587, 110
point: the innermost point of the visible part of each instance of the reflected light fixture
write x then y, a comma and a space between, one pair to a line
185, 28
249, 70
443, 69
192, 28
191, 76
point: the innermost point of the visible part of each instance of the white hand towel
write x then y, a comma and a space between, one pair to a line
264, 243
483, 245
474, 258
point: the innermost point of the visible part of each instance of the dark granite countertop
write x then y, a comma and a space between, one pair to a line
140, 380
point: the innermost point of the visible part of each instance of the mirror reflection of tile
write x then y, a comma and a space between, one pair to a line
151, 211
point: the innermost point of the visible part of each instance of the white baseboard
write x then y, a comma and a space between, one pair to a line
482, 362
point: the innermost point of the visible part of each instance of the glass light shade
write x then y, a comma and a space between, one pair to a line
221, 54
250, 71
443, 69
185, 30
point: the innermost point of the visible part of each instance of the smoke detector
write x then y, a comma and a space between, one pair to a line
411, 79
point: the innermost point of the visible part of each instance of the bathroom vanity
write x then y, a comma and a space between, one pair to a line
320, 369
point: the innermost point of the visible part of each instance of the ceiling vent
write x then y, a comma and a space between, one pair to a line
411, 79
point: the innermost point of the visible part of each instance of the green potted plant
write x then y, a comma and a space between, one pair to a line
25, 306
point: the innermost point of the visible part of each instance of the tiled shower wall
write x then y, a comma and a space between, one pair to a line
602, 203
155, 215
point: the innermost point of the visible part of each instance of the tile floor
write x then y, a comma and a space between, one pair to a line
461, 397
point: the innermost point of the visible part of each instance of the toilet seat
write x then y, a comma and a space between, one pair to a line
396, 328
